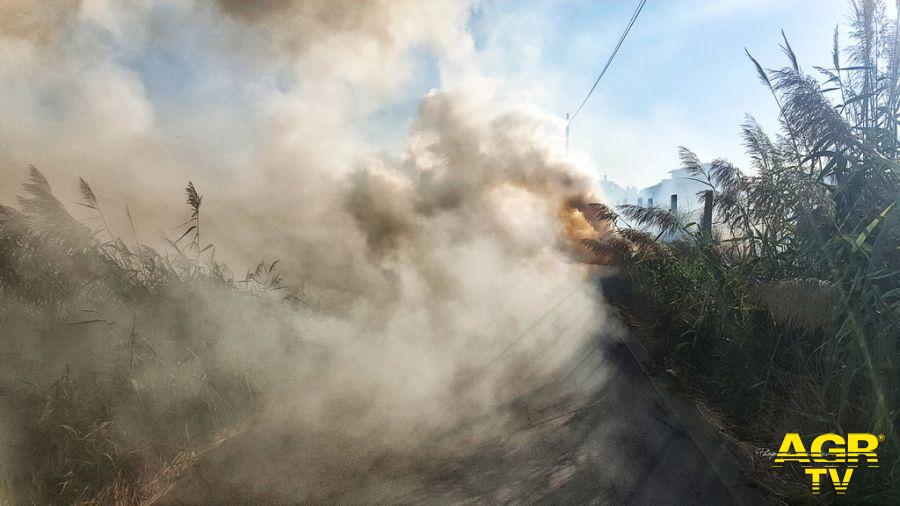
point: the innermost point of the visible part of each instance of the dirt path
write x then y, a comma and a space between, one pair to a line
629, 442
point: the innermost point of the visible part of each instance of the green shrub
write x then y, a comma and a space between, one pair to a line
788, 312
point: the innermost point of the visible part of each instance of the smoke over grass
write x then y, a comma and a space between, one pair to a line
413, 292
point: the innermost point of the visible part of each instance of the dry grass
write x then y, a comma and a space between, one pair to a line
109, 391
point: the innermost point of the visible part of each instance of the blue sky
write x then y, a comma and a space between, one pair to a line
681, 77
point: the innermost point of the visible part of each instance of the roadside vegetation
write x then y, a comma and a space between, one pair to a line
113, 378
785, 316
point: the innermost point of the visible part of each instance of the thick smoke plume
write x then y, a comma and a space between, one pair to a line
439, 281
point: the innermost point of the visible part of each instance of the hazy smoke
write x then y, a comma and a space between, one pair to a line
429, 267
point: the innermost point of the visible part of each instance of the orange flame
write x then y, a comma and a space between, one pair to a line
579, 224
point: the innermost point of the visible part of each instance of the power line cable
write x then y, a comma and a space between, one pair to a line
637, 12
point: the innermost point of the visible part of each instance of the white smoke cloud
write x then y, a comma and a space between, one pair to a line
435, 264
